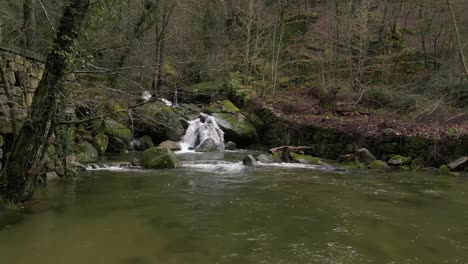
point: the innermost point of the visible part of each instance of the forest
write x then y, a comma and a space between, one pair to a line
219, 98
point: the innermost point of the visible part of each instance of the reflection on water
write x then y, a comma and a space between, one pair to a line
223, 212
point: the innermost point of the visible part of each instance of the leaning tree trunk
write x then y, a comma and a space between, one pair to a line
19, 176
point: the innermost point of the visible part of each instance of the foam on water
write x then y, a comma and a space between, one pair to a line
201, 130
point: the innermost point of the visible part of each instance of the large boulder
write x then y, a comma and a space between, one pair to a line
172, 145
208, 145
159, 121
85, 152
119, 135
365, 156
159, 158
101, 142
398, 161
237, 128
231, 145
145, 142
459, 164
249, 160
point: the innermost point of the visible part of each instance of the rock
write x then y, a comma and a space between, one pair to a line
136, 162
266, 159
209, 145
185, 123
50, 176
1, 166
1, 153
172, 145
231, 145
203, 117
347, 158
398, 161
85, 152
1, 141
119, 135
101, 142
249, 161
237, 128
378, 165
225, 106
145, 143
459, 165
365, 156
159, 121
159, 158
444, 169
305, 159
78, 166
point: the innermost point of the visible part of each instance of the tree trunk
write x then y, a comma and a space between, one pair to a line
457, 32
19, 176
29, 23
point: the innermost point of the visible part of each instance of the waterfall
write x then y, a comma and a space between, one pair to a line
201, 129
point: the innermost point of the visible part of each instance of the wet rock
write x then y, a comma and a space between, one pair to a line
378, 165
365, 156
172, 145
266, 159
145, 142
119, 135
101, 142
50, 176
136, 162
306, 159
78, 166
231, 145
237, 128
209, 145
459, 165
399, 161
85, 152
249, 160
160, 158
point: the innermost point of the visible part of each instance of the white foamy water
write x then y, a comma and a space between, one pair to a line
103, 167
199, 131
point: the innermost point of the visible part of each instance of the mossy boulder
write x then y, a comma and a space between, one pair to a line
305, 159
119, 135
85, 152
159, 121
237, 128
378, 165
365, 156
145, 143
159, 158
444, 169
201, 92
172, 145
399, 161
225, 106
208, 145
101, 142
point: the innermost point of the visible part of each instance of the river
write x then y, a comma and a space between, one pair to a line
215, 210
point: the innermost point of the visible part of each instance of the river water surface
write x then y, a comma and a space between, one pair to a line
222, 212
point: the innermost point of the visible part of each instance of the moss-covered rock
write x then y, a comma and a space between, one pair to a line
101, 142
305, 159
159, 158
145, 143
399, 161
119, 135
225, 106
237, 128
159, 121
378, 165
85, 152
365, 156
201, 92
444, 169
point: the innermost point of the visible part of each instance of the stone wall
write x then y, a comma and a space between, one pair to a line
24, 71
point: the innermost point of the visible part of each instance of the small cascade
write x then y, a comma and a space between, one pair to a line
201, 129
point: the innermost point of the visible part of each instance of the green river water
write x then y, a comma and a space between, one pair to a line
222, 212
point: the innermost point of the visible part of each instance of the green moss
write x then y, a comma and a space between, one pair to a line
101, 142
229, 107
159, 158
404, 160
308, 159
116, 129
378, 164
444, 169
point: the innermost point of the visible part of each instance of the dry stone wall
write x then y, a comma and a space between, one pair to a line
24, 70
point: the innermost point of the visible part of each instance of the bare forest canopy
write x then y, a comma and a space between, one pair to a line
398, 55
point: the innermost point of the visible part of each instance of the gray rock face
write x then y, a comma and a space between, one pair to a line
231, 145
459, 165
209, 145
365, 156
249, 161
266, 159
